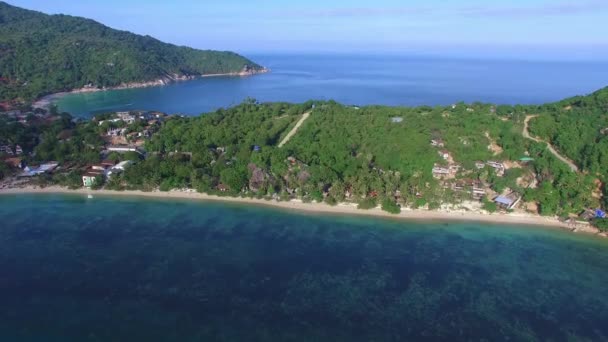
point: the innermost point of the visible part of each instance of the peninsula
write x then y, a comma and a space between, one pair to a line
44, 54
464, 161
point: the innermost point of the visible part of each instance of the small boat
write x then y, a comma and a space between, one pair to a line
89, 196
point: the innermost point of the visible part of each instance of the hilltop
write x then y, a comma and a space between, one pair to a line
42, 54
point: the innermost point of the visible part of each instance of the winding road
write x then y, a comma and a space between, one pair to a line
294, 129
527, 135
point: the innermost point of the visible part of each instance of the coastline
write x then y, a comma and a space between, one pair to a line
341, 209
45, 101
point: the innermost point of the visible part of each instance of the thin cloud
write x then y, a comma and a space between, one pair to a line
556, 9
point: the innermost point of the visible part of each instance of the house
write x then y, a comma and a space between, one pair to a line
222, 187
18, 150
437, 143
31, 171
257, 148
480, 164
15, 162
397, 119
126, 117
508, 201
6, 149
498, 167
124, 149
119, 168
94, 172
117, 132
440, 171
90, 177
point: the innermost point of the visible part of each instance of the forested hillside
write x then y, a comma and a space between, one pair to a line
578, 127
464, 154
42, 54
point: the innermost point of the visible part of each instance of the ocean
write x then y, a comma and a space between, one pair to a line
133, 269
360, 80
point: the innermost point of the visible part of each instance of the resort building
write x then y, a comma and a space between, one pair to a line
119, 168
90, 177
507, 202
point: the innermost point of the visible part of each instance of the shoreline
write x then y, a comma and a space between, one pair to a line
46, 101
341, 209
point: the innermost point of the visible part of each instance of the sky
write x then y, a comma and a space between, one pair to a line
551, 29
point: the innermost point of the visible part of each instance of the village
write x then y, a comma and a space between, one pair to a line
121, 133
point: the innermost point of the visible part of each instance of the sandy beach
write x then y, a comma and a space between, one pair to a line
45, 101
341, 209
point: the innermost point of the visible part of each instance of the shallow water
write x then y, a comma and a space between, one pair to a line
129, 269
361, 80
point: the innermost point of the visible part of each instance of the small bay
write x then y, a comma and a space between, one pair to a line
125, 269
360, 80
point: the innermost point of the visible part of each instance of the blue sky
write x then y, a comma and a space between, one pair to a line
558, 29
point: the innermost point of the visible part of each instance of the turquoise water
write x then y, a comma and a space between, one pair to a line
126, 269
361, 80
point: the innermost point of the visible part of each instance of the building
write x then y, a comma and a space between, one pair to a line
31, 171
126, 117
440, 171
91, 177
124, 149
15, 162
6, 149
507, 202
498, 167
95, 172
117, 132
119, 168
397, 119
480, 164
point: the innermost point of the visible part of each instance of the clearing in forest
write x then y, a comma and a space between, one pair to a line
294, 129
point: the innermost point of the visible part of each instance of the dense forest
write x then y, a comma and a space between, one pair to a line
41, 54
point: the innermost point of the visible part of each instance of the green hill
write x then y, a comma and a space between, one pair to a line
41, 54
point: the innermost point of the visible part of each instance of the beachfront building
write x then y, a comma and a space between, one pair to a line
507, 202
91, 177
119, 168
31, 171
96, 172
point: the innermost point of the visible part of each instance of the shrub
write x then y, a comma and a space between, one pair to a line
390, 206
367, 203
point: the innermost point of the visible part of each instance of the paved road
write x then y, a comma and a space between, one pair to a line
527, 135
294, 129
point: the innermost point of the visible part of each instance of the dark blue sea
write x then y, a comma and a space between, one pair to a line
132, 269
361, 80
